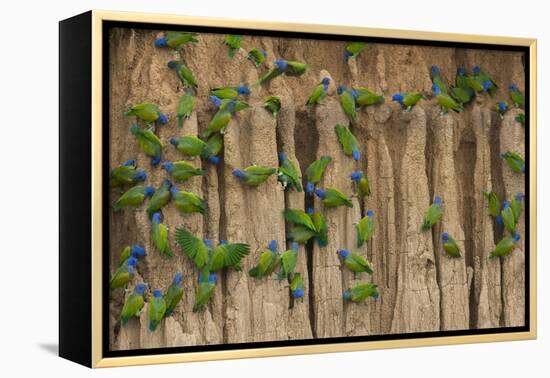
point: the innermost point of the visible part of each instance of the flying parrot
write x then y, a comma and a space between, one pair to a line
306, 226
319, 93
505, 246
362, 186
133, 305
191, 146
149, 143
520, 118
435, 75
230, 93
207, 284
176, 40
315, 171
517, 206
333, 197
133, 197
183, 72
174, 294
493, 203
257, 56
433, 214
348, 142
355, 262
227, 256
501, 107
253, 175
445, 101
193, 247
233, 42
353, 49
407, 99
186, 104
487, 83
159, 236
268, 262
516, 96
123, 274
289, 258
157, 309
181, 171
147, 112
272, 104
365, 97
365, 228
297, 286
450, 246
288, 174
126, 174
188, 202
134, 251
360, 292
514, 161
160, 198
281, 66
348, 102
508, 217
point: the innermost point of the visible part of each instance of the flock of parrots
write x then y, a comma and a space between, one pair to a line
305, 226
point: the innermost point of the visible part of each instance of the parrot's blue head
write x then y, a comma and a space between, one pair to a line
437, 200
376, 296
436, 90
298, 293
519, 196
309, 211
445, 237
174, 141
347, 54
149, 191
243, 90
215, 100
223, 242
461, 71
320, 193
487, 84
310, 187
356, 155
178, 279
163, 119
397, 97
502, 106
132, 261
498, 220
505, 204
294, 246
156, 218
140, 176
137, 251
346, 295
354, 94
129, 163
272, 246
168, 166
239, 173
161, 42
140, 288
130, 269
513, 88
157, 293
155, 160
208, 243
167, 183
214, 160
341, 89
282, 156
476, 70
343, 253
370, 213
212, 278
264, 53
231, 105
325, 81
434, 70
516, 236
172, 64
174, 190
281, 64
356, 176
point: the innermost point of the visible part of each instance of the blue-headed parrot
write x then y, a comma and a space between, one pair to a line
188, 202
269, 261
149, 143
133, 197
433, 214
133, 305
332, 197
450, 246
315, 171
157, 309
365, 228
288, 174
181, 171
159, 236
348, 142
253, 175
355, 262
360, 292
362, 186
174, 294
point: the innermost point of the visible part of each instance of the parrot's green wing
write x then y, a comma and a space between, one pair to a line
316, 169
301, 234
258, 170
173, 297
235, 252
316, 96
192, 246
289, 172
289, 260
451, 247
493, 203
503, 248
348, 104
321, 227
157, 309
298, 216
273, 104
365, 229
131, 308
354, 48
432, 216
363, 262
296, 282
214, 144
346, 139
185, 108
509, 219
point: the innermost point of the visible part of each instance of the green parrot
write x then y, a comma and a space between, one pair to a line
272, 104
508, 217
123, 274
126, 174
188, 202
253, 175
333, 197
207, 284
185, 107
353, 49
268, 262
348, 142
348, 103
181, 171
517, 96
487, 83
355, 262
493, 203
159, 236
304, 228
407, 99
520, 118
321, 226
450, 246
360, 292
133, 197
281, 66
233, 42
289, 258
176, 40
319, 93
514, 161
230, 93
505, 246
463, 91
315, 172
365, 97
517, 206
191, 146
160, 198
257, 56
288, 174
183, 72
445, 101
134, 251
221, 119
149, 143
435, 75
193, 247
174, 294
433, 214
362, 186
461, 95
157, 309
226, 255
148, 113
297, 286
133, 305
365, 228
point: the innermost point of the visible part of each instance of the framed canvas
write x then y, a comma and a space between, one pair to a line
236, 189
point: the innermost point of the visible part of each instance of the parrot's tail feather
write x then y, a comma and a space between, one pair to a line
124, 321
196, 308
180, 122
253, 272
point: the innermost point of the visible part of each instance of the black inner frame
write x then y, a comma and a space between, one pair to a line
107, 25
